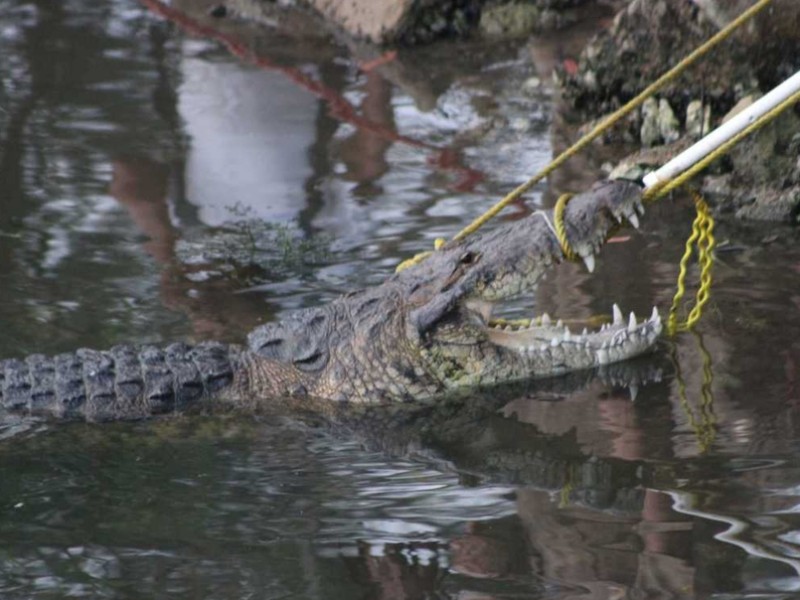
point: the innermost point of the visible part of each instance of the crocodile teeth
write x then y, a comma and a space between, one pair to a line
617, 315
567, 335
634, 391
545, 319
585, 332
588, 260
602, 356
632, 323
639, 206
633, 220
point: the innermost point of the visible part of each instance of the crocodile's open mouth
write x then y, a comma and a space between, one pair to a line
466, 344
542, 338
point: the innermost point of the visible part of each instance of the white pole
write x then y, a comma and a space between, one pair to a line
723, 133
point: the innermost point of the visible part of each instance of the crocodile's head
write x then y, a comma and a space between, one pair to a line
430, 327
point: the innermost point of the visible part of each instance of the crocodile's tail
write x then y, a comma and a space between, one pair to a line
126, 382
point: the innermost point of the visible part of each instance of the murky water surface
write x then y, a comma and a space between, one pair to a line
155, 186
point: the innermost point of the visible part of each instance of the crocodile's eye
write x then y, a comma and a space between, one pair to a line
467, 258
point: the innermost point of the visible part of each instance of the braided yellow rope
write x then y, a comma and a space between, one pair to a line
703, 239
561, 228
704, 427
418, 258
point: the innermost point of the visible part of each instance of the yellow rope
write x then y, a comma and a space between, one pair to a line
601, 128
567, 488
707, 395
705, 429
702, 239
418, 258
561, 228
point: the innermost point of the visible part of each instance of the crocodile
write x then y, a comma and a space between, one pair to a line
424, 332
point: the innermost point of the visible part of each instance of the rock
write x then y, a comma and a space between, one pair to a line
628, 171
520, 124
552, 19
759, 178
648, 36
765, 157
374, 20
717, 188
532, 85
668, 125
400, 21
415, 21
794, 145
642, 162
590, 80
509, 20
698, 119
723, 12
739, 107
769, 204
650, 133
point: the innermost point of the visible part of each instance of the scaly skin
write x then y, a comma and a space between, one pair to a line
421, 333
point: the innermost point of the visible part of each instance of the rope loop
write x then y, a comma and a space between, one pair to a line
702, 240
438, 244
561, 228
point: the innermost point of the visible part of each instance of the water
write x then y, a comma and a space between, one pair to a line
155, 186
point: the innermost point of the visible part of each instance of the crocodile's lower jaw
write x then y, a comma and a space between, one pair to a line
613, 342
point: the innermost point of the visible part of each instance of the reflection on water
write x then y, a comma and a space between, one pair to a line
250, 132
158, 184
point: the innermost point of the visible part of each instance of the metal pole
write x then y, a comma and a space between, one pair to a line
724, 132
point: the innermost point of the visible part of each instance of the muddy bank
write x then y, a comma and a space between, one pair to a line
760, 179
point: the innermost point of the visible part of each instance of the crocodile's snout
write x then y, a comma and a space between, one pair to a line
590, 218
